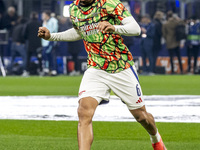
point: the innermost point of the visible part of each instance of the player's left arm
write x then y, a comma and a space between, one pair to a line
128, 26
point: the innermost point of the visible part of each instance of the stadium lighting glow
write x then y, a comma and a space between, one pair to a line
66, 11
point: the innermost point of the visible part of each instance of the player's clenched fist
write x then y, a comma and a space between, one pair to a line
44, 33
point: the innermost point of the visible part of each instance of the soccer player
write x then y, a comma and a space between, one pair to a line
100, 23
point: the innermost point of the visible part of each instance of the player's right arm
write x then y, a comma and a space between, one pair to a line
68, 35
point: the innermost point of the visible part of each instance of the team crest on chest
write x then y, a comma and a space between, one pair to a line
76, 19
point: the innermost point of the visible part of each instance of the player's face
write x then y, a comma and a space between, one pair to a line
85, 2
45, 17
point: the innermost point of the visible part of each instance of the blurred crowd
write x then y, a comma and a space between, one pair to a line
176, 34
23, 41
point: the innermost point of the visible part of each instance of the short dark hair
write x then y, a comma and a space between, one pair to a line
48, 12
169, 14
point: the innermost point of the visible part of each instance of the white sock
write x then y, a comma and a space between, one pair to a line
155, 138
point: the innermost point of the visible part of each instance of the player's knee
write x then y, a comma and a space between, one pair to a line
85, 115
86, 109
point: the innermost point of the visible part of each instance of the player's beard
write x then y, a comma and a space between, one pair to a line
86, 2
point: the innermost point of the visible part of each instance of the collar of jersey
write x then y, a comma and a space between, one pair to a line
89, 5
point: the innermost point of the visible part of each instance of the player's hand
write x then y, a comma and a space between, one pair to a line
105, 26
44, 33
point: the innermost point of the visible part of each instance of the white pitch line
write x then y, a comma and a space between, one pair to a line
164, 108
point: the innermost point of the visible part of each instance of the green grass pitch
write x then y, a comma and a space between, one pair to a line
65, 85
61, 135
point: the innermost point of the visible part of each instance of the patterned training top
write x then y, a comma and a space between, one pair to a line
106, 50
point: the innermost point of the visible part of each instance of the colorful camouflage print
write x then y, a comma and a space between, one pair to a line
105, 50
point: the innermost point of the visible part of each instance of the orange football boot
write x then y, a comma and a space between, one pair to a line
159, 145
